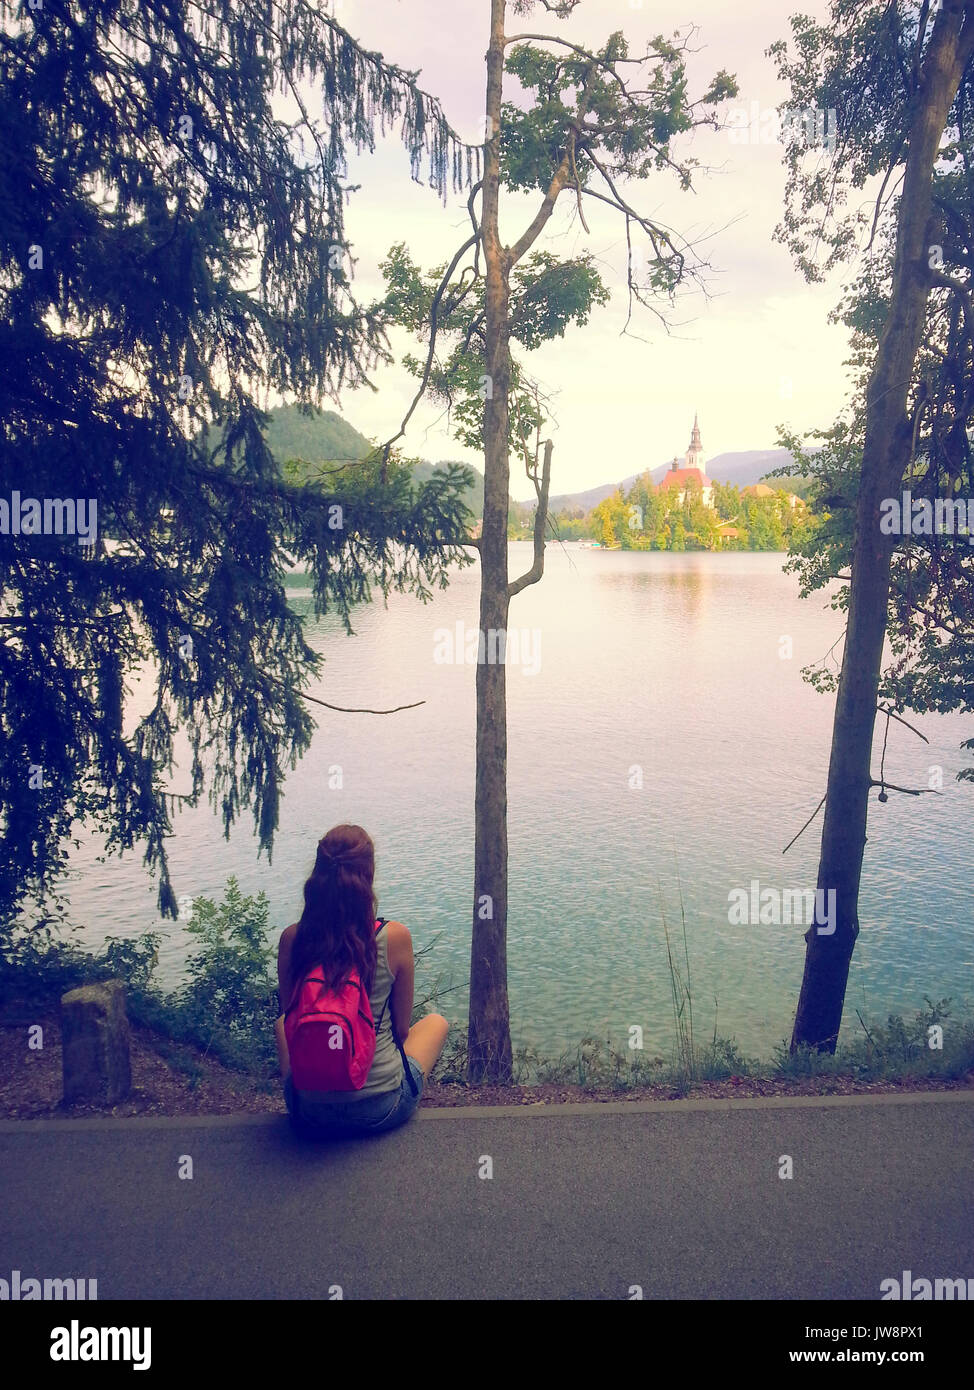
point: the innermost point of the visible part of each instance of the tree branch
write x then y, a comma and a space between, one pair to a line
342, 710
907, 791
558, 183
434, 308
475, 224
578, 184
890, 715
805, 826
540, 521
585, 53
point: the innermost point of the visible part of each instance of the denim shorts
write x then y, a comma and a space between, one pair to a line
374, 1115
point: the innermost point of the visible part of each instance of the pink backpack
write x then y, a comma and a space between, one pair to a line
331, 1034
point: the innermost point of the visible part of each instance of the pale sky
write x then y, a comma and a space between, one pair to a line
757, 354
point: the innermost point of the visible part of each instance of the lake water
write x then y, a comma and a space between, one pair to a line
666, 663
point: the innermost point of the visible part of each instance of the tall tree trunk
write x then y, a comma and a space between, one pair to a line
886, 454
489, 1035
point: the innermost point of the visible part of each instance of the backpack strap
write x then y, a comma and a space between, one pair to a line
392, 1028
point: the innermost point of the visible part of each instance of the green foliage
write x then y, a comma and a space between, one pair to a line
902, 1045
851, 64
821, 548
727, 501
805, 1062
547, 295
764, 527
611, 520
230, 997
656, 518
596, 1063
864, 63
227, 1004
897, 1050
569, 526
161, 273
37, 968
322, 450
472, 496
577, 94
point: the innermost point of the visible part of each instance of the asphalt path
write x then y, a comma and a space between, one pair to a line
677, 1200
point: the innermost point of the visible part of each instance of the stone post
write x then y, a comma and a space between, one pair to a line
95, 1043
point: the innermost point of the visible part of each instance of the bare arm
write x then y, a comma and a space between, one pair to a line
400, 956
284, 967
283, 993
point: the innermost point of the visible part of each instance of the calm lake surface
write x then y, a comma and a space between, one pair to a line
664, 662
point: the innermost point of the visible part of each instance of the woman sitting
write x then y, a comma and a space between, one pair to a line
339, 944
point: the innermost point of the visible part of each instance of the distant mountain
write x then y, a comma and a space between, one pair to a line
742, 469
585, 501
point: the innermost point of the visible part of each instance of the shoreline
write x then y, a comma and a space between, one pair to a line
181, 1079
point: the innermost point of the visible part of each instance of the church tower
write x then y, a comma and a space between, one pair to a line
695, 451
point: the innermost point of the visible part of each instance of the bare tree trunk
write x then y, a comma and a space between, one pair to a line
489, 1034
886, 455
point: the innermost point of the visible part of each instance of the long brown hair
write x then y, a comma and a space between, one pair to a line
337, 928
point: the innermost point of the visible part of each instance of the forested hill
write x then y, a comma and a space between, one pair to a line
302, 443
320, 438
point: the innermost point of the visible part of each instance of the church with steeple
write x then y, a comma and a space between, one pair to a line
682, 475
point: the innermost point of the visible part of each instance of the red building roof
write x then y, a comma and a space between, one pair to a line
679, 477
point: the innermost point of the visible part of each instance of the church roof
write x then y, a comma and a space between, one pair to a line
679, 477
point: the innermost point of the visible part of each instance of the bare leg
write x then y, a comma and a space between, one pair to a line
424, 1041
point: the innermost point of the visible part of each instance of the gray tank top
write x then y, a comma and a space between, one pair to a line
386, 1073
